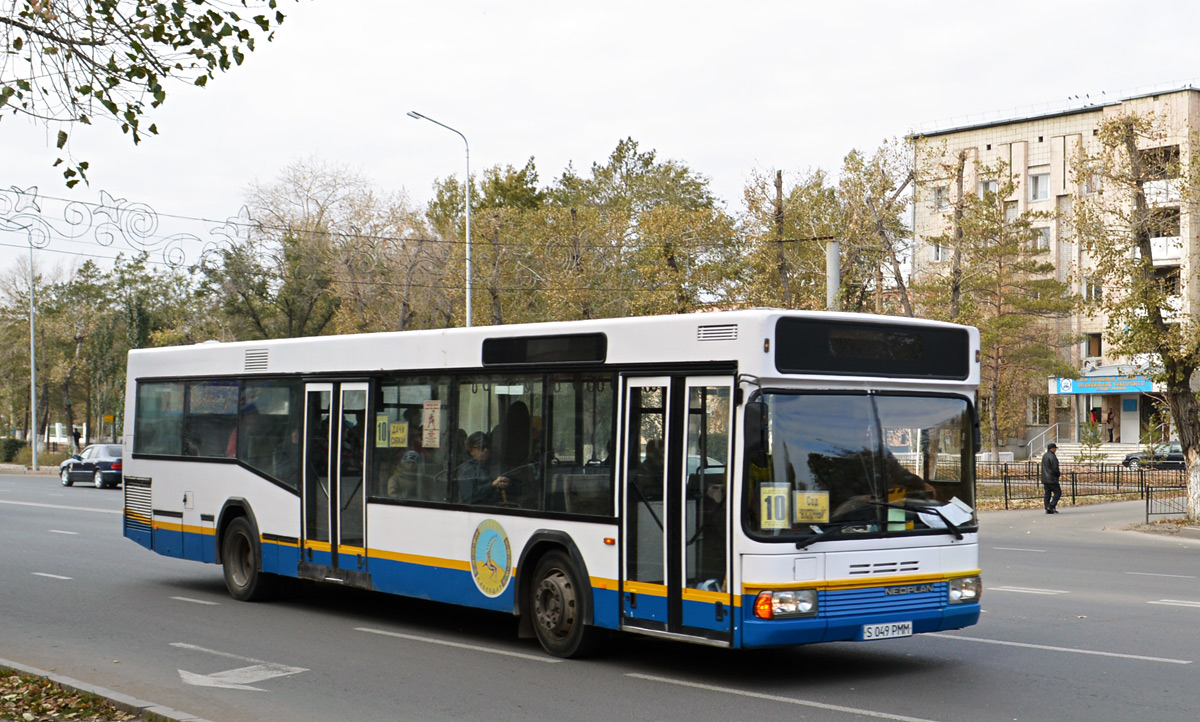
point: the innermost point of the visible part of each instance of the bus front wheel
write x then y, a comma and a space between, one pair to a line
240, 556
558, 604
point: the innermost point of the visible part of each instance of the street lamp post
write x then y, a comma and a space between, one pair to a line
418, 116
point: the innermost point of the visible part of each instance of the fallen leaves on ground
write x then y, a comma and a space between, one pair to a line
32, 699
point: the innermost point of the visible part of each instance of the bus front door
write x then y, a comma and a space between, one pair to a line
676, 575
333, 493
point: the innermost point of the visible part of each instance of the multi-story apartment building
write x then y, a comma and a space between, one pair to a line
1039, 151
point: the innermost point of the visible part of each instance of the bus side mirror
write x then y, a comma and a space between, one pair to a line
756, 429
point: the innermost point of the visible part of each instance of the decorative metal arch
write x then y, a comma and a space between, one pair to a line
117, 223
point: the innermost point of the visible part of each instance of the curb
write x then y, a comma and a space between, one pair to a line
148, 711
1191, 532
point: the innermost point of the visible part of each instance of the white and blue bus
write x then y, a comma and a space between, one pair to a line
742, 479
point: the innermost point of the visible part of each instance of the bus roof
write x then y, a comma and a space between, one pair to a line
733, 337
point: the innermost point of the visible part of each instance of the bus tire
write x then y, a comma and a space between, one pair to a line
240, 559
558, 605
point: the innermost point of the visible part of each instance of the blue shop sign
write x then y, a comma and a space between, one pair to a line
1102, 385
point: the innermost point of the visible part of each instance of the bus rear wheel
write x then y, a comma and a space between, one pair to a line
240, 557
558, 603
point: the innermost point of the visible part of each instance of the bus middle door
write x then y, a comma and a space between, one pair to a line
676, 518
334, 494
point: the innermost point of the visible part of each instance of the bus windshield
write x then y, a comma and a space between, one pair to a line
838, 465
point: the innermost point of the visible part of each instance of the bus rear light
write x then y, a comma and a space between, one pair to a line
782, 605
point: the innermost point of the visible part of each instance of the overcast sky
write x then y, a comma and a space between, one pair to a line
725, 87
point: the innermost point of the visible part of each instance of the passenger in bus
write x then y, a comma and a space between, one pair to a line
477, 484
650, 473
402, 482
287, 458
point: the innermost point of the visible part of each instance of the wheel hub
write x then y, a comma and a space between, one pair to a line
555, 604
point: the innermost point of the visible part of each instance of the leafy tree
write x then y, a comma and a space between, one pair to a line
1002, 283
72, 61
1144, 178
785, 234
873, 194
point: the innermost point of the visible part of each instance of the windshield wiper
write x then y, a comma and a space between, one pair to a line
921, 510
824, 534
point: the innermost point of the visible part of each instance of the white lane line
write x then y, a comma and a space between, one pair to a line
1018, 549
1026, 590
197, 601
63, 506
1171, 576
460, 645
60, 531
50, 576
778, 698
1176, 603
1072, 650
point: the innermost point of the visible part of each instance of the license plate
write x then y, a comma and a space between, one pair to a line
886, 631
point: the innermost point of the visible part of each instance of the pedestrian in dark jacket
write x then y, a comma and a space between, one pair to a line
1050, 475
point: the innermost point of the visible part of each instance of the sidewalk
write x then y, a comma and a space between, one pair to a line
18, 469
1106, 516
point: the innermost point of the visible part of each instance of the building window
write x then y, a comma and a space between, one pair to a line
1064, 206
1092, 347
1041, 239
1010, 211
937, 253
988, 186
1167, 278
1039, 186
1163, 222
941, 198
1161, 163
1039, 410
1092, 290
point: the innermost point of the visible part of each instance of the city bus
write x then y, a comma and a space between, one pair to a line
740, 479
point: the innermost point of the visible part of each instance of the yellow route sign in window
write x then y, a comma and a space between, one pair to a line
812, 507
775, 513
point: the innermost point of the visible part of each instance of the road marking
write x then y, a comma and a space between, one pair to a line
1176, 603
240, 678
1027, 590
1072, 650
50, 576
60, 531
778, 698
460, 645
1018, 549
197, 601
1172, 576
63, 506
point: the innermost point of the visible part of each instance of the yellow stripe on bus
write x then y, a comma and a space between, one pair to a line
876, 581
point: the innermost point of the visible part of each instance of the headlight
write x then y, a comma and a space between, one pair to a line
965, 589
781, 605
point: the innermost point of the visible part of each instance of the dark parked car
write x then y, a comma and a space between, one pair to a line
98, 463
1166, 456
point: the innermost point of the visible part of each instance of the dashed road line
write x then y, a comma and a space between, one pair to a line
197, 601
50, 576
779, 698
1027, 590
1176, 603
460, 645
1049, 648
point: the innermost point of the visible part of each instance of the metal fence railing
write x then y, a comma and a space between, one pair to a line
1165, 501
1012, 481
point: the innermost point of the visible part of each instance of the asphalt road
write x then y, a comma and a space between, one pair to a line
1081, 621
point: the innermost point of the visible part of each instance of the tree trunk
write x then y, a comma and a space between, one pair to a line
956, 270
